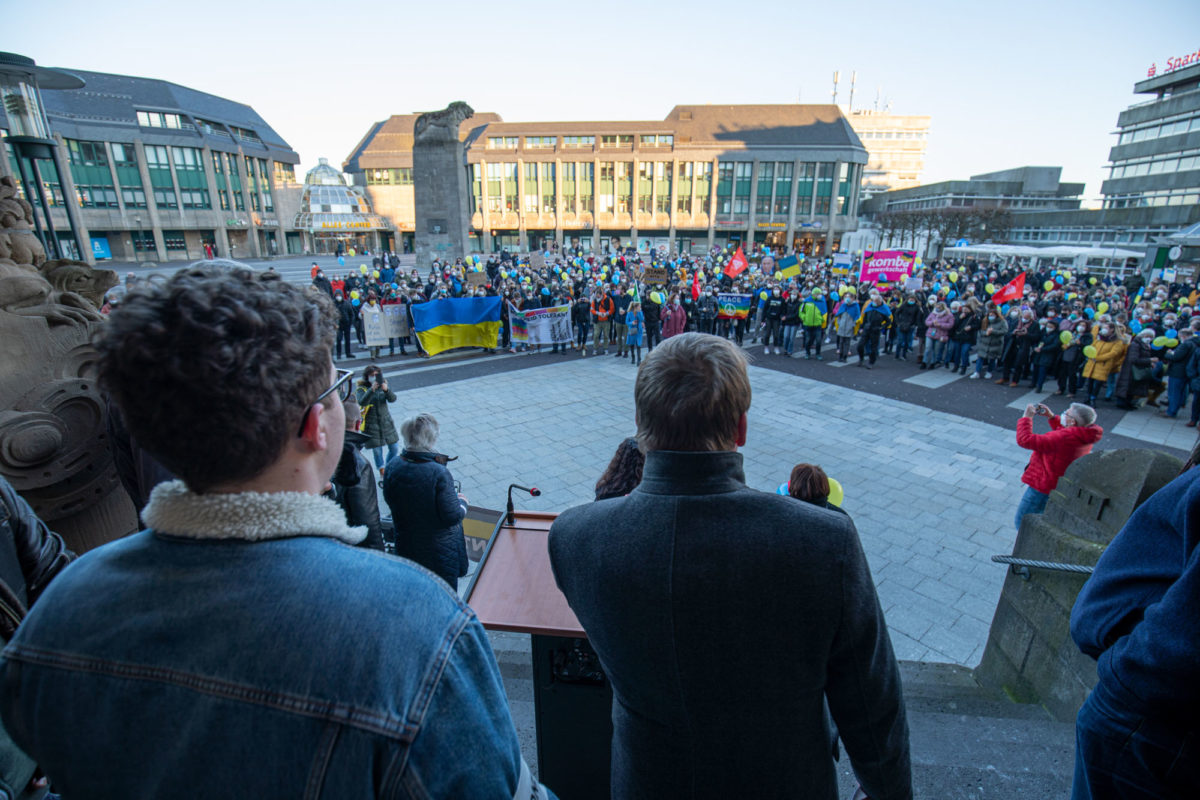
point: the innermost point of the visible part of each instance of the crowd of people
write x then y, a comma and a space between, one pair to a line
1093, 337
740, 630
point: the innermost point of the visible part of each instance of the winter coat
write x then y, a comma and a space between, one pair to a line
1053, 452
1177, 358
991, 337
813, 313
847, 318
378, 426
907, 316
635, 323
1108, 359
674, 320
653, 312
427, 514
966, 328
354, 490
1138, 355
874, 318
1050, 346
345, 314
707, 307
938, 325
774, 309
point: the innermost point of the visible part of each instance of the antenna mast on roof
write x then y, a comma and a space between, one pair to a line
835, 86
853, 78
878, 91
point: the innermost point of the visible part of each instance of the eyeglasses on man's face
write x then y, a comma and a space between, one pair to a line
341, 385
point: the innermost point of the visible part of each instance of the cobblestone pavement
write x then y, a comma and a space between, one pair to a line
932, 494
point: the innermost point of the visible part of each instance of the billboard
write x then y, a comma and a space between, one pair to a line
886, 265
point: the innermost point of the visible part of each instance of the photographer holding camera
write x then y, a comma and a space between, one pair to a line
1072, 434
373, 396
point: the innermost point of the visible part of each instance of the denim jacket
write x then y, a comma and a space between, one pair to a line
243, 647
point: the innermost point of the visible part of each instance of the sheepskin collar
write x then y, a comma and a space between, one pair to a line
252, 516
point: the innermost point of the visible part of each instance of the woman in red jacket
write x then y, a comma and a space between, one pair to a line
1071, 435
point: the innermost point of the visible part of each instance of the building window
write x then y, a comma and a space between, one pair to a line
579, 141
165, 198
656, 140
607, 188
401, 176
742, 172
540, 142
495, 189
616, 140
133, 198
223, 199
284, 173
194, 198
824, 187
645, 187
87, 154
725, 187
783, 188
587, 182
703, 177
158, 119
509, 172
174, 240
187, 158
531, 188
548, 191
766, 179
96, 196
624, 187
663, 174
502, 143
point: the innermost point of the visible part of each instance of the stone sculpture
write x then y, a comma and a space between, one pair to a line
440, 184
53, 445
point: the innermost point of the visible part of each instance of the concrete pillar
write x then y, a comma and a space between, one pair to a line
522, 244
486, 239
596, 205
712, 202
833, 204
151, 209
558, 209
673, 204
753, 199
71, 202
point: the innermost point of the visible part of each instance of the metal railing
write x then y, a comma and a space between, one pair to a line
1021, 566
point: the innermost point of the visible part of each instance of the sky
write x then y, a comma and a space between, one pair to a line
1009, 84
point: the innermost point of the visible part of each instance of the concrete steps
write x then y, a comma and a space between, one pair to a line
968, 743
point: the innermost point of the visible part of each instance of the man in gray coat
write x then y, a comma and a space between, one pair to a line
724, 616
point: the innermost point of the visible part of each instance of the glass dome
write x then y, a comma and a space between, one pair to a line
328, 205
324, 175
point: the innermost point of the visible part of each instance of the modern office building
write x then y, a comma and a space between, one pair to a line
160, 172
895, 149
1152, 191
704, 175
1019, 189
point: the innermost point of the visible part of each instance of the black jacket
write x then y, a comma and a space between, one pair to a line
908, 315
345, 314
677, 585
427, 514
354, 490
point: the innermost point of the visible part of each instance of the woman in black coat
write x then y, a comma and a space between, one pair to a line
426, 511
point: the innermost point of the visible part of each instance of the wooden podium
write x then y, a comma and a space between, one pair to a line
513, 590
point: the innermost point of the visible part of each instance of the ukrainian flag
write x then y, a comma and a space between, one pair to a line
457, 322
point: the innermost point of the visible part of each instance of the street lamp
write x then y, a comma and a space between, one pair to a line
29, 134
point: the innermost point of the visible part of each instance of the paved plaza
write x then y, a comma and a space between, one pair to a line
932, 494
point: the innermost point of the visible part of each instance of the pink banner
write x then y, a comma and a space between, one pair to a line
895, 264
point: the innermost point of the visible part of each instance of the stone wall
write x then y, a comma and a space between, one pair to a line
1030, 654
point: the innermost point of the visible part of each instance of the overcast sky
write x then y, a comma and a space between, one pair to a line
1007, 84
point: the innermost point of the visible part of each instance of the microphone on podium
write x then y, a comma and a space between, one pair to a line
534, 492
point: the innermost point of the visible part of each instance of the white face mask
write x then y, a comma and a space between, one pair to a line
1063, 418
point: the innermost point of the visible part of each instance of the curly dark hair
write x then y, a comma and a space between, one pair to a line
212, 369
624, 472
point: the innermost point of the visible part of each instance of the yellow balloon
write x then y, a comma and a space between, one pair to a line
375, 274
1067, 275
1048, 285
354, 295
1102, 308
762, 295
990, 288
363, 269
953, 276
836, 494
778, 275
1092, 280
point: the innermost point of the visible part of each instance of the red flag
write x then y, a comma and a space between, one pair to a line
696, 285
1013, 290
737, 264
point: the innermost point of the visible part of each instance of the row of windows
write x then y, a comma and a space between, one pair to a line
1082, 236
1174, 162
1171, 127
157, 119
1185, 196
611, 140
893, 135
387, 177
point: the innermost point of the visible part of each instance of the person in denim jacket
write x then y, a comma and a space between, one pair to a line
241, 646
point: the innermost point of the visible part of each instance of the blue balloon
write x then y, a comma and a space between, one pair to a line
937, 287
1090, 313
1171, 333
355, 301
341, 261
833, 296
1156, 346
783, 488
952, 295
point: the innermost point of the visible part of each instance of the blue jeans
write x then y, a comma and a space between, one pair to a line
1032, 502
1123, 754
789, 338
1177, 389
904, 340
1039, 376
935, 351
984, 365
392, 449
955, 352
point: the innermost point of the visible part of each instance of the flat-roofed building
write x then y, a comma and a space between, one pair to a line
158, 172
787, 175
895, 149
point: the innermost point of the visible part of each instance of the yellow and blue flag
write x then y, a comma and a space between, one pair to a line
457, 322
